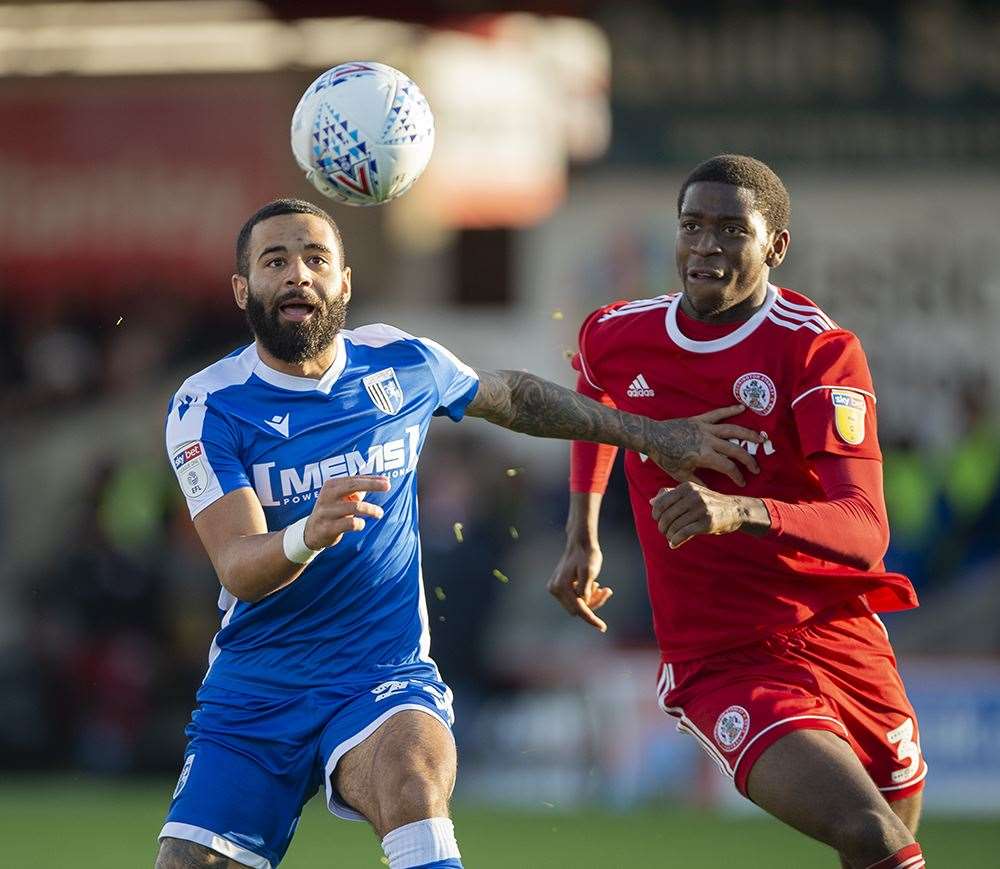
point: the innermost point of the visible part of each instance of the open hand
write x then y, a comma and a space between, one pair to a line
679, 446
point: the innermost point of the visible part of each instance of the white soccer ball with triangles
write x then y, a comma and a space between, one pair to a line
362, 132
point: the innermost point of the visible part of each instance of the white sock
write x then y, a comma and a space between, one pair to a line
420, 842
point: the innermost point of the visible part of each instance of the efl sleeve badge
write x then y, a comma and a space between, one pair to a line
849, 415
190, 469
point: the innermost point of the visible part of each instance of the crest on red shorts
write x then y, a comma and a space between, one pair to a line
732, 727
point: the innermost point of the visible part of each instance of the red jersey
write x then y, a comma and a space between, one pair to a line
805, 382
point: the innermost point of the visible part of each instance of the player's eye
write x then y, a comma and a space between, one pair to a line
689, 226
734, 229
318, 260
276, 262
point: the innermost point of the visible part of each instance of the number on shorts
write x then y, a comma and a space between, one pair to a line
907, 750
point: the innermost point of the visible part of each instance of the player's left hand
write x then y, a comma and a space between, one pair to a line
690, 509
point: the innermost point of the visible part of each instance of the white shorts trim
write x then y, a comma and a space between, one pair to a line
335, 806
201, 836
685, 725
664, 686
911, 782
774, 724
881, 624
663, 682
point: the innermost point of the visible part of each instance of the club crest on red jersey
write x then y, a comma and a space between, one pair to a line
756, 391
731, 728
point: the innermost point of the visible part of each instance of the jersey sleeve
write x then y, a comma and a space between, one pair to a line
834, 402
591, 463
203, 450
456, 382
849, 526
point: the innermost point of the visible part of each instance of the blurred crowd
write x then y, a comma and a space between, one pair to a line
115, 616
944, 504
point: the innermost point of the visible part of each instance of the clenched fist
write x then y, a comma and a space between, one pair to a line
689, 509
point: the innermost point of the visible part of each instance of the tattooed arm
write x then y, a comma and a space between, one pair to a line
526, 403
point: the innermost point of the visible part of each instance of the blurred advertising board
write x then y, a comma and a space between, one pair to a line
958, 706
886, 83
516, 97
136, 169
112, 184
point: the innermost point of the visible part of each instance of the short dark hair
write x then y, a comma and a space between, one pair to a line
274, 209
769, 194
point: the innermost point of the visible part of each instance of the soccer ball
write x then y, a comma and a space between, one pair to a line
362, 132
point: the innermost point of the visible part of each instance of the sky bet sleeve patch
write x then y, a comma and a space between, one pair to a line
849, 415
190, 468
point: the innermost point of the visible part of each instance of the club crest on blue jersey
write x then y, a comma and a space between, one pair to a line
384, 390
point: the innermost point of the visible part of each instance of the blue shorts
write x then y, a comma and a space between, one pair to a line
252, 763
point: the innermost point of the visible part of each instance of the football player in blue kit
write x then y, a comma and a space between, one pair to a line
297, 455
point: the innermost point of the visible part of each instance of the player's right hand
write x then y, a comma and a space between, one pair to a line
340, 507
704, 442
574, 583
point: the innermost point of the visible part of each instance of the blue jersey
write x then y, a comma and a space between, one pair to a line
358, 608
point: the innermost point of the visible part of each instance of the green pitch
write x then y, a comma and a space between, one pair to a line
84, 824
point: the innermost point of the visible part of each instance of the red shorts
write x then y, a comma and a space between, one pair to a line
836, 672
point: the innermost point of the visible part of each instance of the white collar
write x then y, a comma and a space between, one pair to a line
726, 341
305, 384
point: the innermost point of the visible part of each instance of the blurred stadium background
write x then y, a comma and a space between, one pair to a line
135, 138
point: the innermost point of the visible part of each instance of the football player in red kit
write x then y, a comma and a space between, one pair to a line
773, 656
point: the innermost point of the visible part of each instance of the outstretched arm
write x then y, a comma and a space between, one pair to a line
530, 404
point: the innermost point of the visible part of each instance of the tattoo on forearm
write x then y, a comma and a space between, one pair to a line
526, 403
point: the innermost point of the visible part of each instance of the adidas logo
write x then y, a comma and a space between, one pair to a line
638, 388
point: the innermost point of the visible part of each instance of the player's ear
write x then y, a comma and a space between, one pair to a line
777, 249
241, 289
345, 283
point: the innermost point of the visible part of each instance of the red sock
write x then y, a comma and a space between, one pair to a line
910, 857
